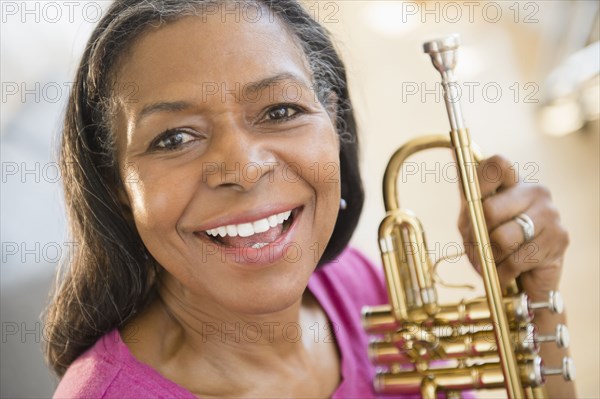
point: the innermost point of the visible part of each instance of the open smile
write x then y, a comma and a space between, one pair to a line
262, 241
256, 233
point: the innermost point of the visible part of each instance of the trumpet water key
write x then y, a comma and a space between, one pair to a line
423, 346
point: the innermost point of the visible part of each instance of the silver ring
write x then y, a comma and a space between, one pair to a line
526, 225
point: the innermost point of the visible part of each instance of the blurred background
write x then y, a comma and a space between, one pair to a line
529, 73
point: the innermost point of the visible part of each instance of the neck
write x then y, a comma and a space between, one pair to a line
188, 323
203, 325
185, 336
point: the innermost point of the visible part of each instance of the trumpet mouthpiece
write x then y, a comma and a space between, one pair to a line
447, 43
443, 52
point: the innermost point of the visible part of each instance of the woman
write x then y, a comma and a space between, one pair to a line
207, 149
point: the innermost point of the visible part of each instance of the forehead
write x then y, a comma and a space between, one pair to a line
199, 50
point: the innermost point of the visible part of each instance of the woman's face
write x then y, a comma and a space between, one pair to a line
219, 131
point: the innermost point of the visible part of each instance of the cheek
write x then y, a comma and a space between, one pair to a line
322, 172
325, 170
327, 186
326, 180
157, 199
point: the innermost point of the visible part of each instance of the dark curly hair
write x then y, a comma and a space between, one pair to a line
110, 277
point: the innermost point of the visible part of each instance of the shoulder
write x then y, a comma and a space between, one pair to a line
108, 370
92, 373
352, 277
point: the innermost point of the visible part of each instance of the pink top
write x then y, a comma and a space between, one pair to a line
343, 287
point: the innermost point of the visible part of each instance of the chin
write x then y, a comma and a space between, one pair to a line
267, 297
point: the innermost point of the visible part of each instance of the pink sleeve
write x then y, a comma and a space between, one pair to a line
109, 370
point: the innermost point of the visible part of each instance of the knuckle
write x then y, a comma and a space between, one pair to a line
502, 163
499, 160
552, 212
564, 236
491, 169
498, 170
542, 191
548, 212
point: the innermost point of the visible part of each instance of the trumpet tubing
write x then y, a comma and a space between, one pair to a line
424, 346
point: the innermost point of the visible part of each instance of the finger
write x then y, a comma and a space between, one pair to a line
538, 253
505, 205
530, 256
527, 257
507, 237
537, 285
495, 174
505, 240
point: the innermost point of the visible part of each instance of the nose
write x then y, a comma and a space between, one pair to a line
236, 158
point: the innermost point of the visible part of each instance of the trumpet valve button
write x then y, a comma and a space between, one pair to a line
567, 370
561, 336
554, 303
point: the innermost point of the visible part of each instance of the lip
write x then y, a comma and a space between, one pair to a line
256, 257
246, 217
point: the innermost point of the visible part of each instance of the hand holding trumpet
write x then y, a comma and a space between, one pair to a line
526, 235
528, 242
514, 239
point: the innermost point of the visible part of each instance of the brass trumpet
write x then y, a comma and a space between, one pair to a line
426, 347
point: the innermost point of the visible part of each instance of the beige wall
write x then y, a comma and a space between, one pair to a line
501, 54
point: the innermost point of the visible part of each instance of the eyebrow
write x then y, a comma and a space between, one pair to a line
253, 87
273, 80
164, 106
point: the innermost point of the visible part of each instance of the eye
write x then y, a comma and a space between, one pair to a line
282, 112
173, 139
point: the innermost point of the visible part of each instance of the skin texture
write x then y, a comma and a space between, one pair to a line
170, 196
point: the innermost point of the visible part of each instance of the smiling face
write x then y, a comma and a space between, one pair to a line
219, 131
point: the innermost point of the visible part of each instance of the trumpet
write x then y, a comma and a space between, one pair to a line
424, 347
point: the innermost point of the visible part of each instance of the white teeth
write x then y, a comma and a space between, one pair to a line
248, 229
260, 226
245, 229
231, 230
283, 216
272, 220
